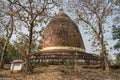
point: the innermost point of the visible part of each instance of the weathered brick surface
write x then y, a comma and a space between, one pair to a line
61, 31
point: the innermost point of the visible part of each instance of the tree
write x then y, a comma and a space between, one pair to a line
93, 15
30, 14
7, 24
10, 53
21, 45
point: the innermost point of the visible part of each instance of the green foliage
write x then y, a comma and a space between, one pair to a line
11, 51
117, 61
117, 2
21, 44
116, 36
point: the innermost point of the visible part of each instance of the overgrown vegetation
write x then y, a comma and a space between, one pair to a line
11, 52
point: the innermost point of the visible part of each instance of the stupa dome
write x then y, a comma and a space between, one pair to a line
61, 35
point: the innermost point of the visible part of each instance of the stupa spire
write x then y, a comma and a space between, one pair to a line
61, 8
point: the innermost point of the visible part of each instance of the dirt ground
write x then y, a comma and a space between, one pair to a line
60, 72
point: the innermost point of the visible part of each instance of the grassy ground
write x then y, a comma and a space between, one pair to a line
53, 72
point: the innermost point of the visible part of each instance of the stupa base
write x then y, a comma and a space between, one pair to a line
65, 58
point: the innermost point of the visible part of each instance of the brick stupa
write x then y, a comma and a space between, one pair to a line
61, 35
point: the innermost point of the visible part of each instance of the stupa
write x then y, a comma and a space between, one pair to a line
61, 41
61, 35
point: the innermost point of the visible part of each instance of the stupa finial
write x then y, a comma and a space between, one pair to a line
61, 8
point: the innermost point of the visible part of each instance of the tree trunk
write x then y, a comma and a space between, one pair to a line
3, 54
6, 42
104, 55
28, 68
